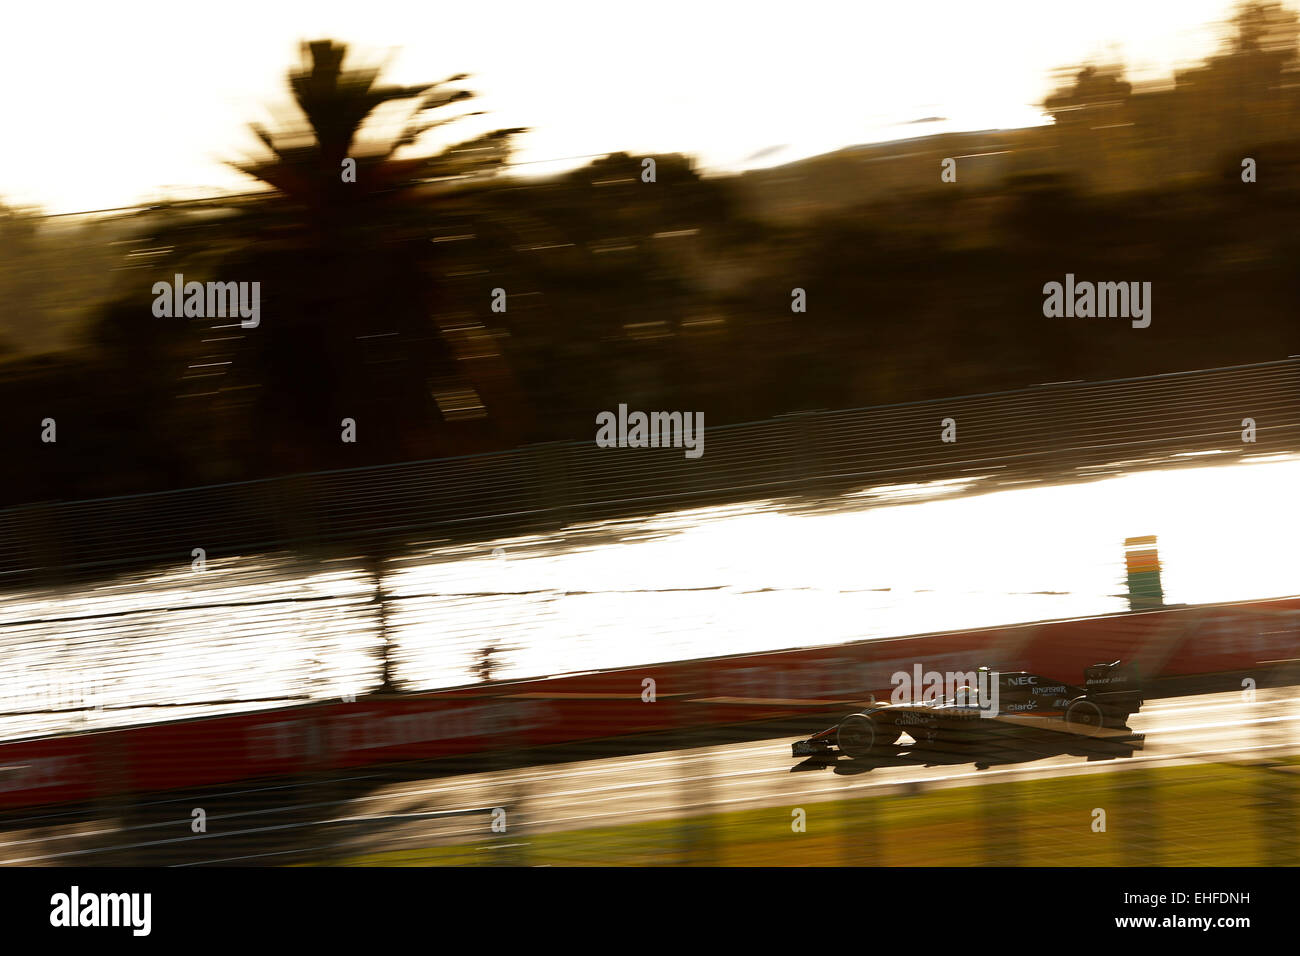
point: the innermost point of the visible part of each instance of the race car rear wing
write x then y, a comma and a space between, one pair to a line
1117, 683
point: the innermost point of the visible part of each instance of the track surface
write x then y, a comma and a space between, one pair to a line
345, 817
259, 630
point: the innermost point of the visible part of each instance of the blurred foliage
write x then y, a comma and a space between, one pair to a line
51, 279
376, 295
1116, 137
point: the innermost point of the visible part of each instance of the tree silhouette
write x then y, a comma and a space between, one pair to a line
1244, 95
349, 277
336, 103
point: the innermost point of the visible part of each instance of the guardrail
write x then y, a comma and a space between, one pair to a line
1048, 430
328, 737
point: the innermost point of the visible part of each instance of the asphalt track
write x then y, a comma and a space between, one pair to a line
278, 629
339, 818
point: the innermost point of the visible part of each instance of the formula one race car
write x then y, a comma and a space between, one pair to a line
999, 707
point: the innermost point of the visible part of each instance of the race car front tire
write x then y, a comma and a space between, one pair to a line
858, 735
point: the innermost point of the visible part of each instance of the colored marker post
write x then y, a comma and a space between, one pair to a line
1143, 563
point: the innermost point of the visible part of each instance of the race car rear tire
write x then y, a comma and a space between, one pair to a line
858, 735
1084, 714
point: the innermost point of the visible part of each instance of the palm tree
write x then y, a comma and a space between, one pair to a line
336, 103
365, 315
349, 291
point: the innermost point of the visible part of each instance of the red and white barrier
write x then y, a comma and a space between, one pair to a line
212, 751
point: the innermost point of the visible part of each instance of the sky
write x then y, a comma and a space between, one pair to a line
116, 104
